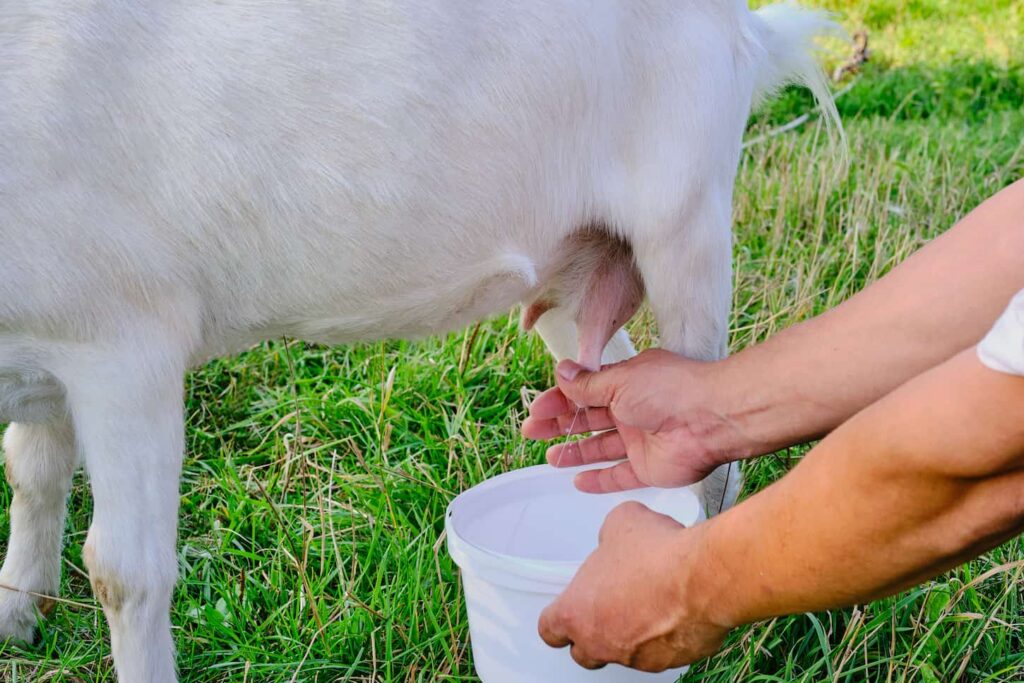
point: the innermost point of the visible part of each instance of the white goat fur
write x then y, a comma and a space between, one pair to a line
180, 180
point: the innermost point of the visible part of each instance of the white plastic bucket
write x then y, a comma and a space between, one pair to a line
519, 538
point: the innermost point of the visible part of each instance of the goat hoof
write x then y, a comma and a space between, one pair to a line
18, 617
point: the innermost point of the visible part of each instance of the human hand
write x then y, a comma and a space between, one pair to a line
661, 411
633, 602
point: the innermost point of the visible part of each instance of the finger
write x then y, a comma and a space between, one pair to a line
552, 627
551, 403
623, 521
619, 477
587, 388
584, 660
585, 421
625, 518
603, 447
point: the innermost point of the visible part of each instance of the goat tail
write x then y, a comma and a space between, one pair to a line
785, 33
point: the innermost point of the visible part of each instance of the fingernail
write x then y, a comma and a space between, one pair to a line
568, 370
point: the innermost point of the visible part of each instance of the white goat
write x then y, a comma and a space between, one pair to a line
180, 180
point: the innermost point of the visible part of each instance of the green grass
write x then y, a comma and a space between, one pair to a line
316, 478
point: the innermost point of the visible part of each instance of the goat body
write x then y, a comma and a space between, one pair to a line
180, 180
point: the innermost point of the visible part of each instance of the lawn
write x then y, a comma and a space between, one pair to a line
316, 478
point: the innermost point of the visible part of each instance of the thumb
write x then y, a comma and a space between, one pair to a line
585, 388
627, 519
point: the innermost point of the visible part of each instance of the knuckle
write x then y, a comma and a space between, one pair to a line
566, 617
584, 659
547, 630
627, 511
620, 516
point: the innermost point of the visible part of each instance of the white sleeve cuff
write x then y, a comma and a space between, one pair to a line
1002, 348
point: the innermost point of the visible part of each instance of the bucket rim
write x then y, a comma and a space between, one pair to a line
555, 572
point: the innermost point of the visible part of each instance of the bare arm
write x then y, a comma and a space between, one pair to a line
677, 419
926, 478
929, 476
805, 381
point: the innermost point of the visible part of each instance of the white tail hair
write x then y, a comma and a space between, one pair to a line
787, 34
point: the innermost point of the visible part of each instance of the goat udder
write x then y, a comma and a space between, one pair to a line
612, 296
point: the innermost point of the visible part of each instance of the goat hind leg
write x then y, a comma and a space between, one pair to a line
128, 417
39, 462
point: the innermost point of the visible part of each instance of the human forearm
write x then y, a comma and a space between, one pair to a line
927, 477
805, 381
677, 419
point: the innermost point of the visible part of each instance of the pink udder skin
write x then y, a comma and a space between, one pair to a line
613, 295
596, 280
